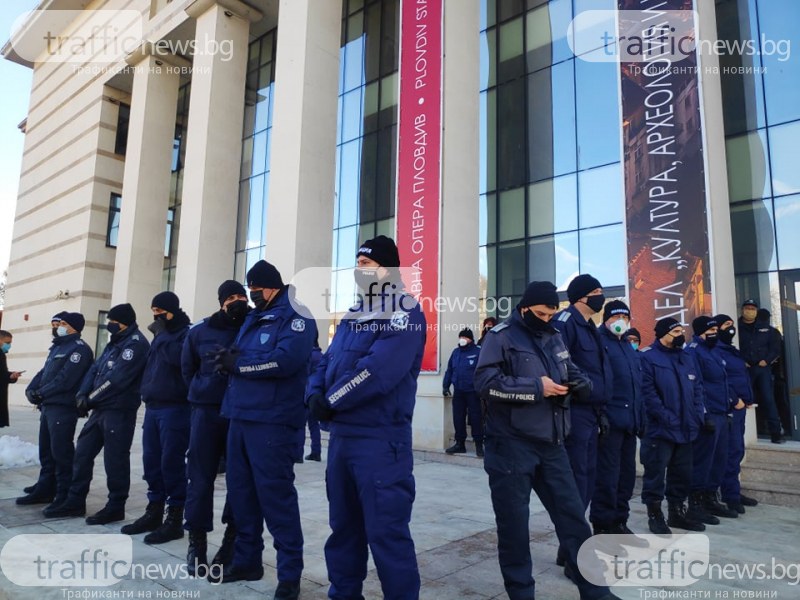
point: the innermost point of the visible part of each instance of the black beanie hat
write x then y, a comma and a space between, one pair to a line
264, 275
466, 333
539, 292
58, 316
581, 286
633, 332
722, 318
229, 288
665, 325
382, 250
74, 320
122, 313
616, 307
702, 324
167, 301
763, 315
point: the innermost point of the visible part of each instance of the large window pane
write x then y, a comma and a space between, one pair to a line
748, 175
787, 221
511, 161
553, 206
753, 236
554, 258
511, 269
604, 255
551, 122
599, 130
488, 59
600, 196
511, 63
512, 215
351, 114
349, 184
783, 150
546, 34
779, 21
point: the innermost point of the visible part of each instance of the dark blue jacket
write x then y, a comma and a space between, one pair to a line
715, 378
207, 385
587, 351
512, 362
369, 373
673, 394
625, 409
60, 378
114, 379
162, 382
757, 342
460, 371
269, 378
738, 378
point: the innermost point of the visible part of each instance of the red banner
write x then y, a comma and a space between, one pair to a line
419, 150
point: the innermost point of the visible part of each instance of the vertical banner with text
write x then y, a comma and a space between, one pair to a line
419, 151
664, 162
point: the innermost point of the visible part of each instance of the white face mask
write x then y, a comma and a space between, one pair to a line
463, 341
618, 327
61, 331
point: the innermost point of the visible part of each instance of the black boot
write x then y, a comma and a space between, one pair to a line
697, 511
777, 438
630, 539
609, 544
457, 448
655, 519
30, 489
678, 518
287, 590
712, 505
747, 500
479, 449
229, 574
106, 515
224, 555
71, 507
171, 529
197, 554
737, 506
315, 456
36, 497
151, 519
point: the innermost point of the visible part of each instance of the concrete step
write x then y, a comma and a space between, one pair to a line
787, 454
763, 472
768, 493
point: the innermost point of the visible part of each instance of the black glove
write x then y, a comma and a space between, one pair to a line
561, 401
320, 408
156, 327
580, 390
83, 406
35, 398
709, 426
225, 360
446, 393
604, 424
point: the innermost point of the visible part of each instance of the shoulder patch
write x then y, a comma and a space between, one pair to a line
645, 349
693, 345
399, 320
127, 354
563, 355
135, 336
564, 316
499, 327
298, 325
80, 342
75, 357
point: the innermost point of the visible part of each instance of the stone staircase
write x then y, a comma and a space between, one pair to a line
771, 473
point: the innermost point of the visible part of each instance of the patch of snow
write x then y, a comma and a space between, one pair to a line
16, 453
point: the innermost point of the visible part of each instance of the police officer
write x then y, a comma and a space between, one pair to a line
209, 430
365, 386
460, 374
524, 376
616, 458
110, 389
165, 432
759, 350
710, 449
267, 369
742, 393
53, 391
634, 338
673, 399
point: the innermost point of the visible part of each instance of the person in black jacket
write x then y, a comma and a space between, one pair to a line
53, 390
165, 432
110, 389
525, 376
760, 349
460, 374
6, 376
311, 420
209, 429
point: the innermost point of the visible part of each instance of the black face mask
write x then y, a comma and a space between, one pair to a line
54, 331
533, 322
596, 302
257, 298
365, 278
711, 340
113, 328
726, 335
160, 317
237, 310
678, 341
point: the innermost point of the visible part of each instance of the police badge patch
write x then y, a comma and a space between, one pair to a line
263, 338
75, 357
298, 325
399, 320
127, 354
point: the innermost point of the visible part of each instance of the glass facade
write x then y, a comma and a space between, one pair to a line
256, 142
551, 191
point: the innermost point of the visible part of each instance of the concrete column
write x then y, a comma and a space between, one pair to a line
145, 186
207, 241
300, 210
433, 421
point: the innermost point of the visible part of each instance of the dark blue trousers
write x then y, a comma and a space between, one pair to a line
467, 405
616, 476
313, 433
56, 449
730, 489
665, 458
371, 490
764, 388
165, 439
581, 448
260, 477
207, 441
710, 455
515, 467
110, 431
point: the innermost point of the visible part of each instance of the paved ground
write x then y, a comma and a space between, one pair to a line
453, 527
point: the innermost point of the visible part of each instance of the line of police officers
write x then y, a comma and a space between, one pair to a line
564, 402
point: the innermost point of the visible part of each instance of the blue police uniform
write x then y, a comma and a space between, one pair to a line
111, 387
53, 390
757, 343
369, 377
311, 421
460, 374
209, 429
710, 448
165, 431
616, 458
264, 403
673, 399
525, 433
589, 354
740, 388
